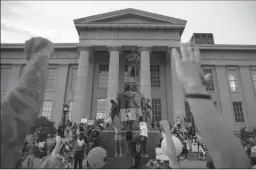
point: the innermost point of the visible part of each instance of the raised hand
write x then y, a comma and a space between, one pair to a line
22, 104
38, 45
188, 66
165, 126
207, 118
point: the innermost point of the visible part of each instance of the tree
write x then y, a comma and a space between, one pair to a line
247, 136
42, 128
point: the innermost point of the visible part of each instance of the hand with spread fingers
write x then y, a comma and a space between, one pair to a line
188, 66
215, 129
165, 126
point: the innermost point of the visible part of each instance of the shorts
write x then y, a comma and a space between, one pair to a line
31, 157
118, 137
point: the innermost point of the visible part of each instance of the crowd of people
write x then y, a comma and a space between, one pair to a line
21, 107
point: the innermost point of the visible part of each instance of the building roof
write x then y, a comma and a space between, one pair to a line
120, 13
130, 18
201, 46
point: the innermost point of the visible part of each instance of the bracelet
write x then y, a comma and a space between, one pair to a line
198, 96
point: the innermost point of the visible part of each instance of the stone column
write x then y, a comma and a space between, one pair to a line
79, 109
226, 105
59, 94
145, 80
249, 97
113, 77
177, 95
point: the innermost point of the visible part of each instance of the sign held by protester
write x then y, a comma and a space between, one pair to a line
101, 116
90, 122
84, 120
128, 114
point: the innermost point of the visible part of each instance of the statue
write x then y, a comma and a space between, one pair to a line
131, 104
146, 110
114, 109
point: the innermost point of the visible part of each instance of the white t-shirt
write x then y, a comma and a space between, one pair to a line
143, 129
80, 142
178, 121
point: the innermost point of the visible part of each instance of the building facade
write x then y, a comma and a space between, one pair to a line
88, 74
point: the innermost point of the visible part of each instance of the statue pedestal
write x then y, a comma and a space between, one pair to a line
107, 137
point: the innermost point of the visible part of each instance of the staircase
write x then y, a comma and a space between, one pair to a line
192, 156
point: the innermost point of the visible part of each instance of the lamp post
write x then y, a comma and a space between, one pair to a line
64, 116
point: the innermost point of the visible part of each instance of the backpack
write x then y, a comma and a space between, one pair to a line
136, 148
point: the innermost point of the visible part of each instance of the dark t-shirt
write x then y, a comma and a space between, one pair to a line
32, 150
253, 161
128, 136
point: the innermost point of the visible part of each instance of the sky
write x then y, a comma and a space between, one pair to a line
231, 22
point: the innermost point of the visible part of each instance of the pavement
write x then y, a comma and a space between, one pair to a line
126, 163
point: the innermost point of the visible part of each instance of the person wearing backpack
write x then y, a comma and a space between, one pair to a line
136, 150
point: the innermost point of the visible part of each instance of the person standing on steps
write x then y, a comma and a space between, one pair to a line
31, 156
79, 153
118, 136
184, 153
143, 136
178, 122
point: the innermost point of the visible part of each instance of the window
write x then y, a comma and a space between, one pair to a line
51, 79
232, 78
156, 109
71, 102
4, 78
47, 109
101, 106
188, 113
238, 112
103, 75
73, 79
155, 75
253, 73
209, 85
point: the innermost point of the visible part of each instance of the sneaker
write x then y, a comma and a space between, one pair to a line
121, 155
115, 155
186, 160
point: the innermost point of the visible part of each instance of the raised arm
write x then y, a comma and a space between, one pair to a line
21, 106
225, 149
169, 149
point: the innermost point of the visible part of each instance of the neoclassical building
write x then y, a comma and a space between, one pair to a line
88, 74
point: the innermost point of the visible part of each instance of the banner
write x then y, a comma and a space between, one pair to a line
101, 116
128, 114
84, 120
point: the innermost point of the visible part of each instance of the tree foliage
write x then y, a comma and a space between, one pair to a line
42, 128
247, 136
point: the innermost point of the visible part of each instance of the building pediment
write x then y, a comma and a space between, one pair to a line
129, 16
